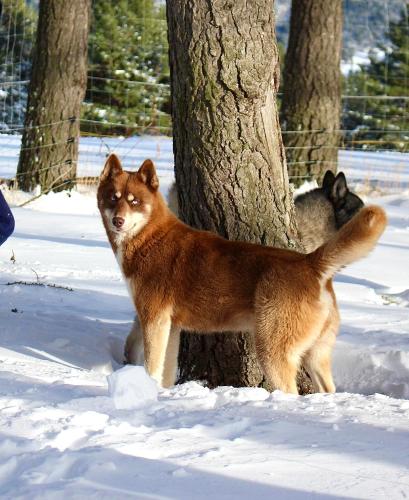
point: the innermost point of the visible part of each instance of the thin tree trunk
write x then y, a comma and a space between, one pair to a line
49, 149
311, 109
229, 158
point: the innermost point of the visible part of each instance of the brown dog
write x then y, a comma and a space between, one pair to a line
182, 278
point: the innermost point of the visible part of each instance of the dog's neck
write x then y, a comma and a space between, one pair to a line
136, 248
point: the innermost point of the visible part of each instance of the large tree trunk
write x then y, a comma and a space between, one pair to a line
49, 149
229, 158
311, 109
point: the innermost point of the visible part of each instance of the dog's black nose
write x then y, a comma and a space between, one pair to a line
118, 221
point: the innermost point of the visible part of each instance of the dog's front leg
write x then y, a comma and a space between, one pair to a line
156, 337
171, 359
134, 345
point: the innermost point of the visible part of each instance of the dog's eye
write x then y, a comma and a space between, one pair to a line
135, 202
113, 197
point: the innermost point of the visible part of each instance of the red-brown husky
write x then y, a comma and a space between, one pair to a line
182, 278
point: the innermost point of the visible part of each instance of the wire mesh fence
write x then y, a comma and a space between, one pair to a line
127, 103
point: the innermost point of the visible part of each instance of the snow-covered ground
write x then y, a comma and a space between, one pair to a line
63, 433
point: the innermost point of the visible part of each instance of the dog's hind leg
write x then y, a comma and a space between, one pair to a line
133, 352
279, 359
285, 329
280, 371
156, 336
171, 358
317, 360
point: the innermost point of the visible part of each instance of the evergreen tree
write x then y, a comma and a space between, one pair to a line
49, 143
379, 122
17, 30
128, 67
311, 105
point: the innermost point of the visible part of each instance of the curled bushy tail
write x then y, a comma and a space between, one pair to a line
352, 242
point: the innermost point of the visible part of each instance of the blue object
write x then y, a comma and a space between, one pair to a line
6, 220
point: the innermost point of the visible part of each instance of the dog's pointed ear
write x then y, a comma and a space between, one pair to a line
328, 181
147, 174
339, 188
112, 168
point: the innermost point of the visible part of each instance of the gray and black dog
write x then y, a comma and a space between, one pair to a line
320, 212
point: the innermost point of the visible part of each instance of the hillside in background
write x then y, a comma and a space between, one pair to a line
365, 23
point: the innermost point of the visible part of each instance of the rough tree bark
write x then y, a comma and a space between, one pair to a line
311, 105
229, 158
49, 148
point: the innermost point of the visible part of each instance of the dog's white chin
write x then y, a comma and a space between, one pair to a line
134, 223
124, 235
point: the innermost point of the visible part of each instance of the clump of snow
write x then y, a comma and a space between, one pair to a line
131, 387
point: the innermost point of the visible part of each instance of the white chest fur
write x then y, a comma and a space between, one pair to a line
119, 258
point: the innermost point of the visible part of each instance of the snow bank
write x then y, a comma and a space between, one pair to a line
131, 387
64, 202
